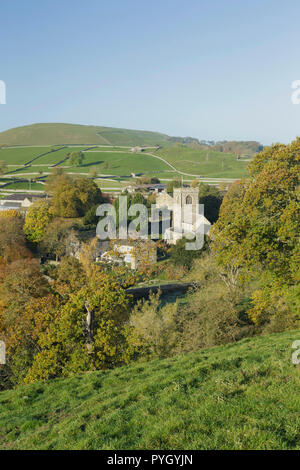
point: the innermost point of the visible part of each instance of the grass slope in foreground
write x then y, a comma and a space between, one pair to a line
239, 396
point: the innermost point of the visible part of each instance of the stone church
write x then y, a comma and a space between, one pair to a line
190, 220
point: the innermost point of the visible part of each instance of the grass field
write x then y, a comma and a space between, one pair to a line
107, 151
123, 163
26, 185
117, 163
239, 396
204, 162
21, 155
60, 133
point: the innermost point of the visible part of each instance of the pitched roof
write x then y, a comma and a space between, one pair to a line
22, 196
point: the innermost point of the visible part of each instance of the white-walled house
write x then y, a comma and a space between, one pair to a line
19, 201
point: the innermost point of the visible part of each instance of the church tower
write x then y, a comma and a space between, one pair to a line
188, 200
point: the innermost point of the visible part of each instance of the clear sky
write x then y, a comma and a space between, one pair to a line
211, 69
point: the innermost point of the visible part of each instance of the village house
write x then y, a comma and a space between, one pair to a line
137, 254
146, 188
134, 253
20, 201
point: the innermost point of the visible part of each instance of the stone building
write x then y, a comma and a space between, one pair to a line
186, 218
19, 201
138, 254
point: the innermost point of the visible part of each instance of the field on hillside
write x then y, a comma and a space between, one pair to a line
21, 155
107, 152
119, 163
204, 162
28, 186
59, 134
239, 396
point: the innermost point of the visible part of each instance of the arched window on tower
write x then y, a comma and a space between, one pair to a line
189, 200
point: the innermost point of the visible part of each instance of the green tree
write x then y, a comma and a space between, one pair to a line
76, 158
3, 167
93, 173
144, 179
211, 197
180, 256
88, 333
258, 230
154, 328
155, 180
90, 218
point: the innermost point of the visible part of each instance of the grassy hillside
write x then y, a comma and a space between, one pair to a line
202, 162
120, 163
107, 150
21, 155
59, 133
238, 396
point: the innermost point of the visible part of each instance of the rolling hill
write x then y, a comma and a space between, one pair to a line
238, 396
31, 151
61, 134
46, 134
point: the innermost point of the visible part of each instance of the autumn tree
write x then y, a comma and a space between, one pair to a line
88, 332
175, 183
154, 327
10, 213
37, 219
22, 333
55, 238
72, 197
69, 276
194, 183
12, 240
258, 231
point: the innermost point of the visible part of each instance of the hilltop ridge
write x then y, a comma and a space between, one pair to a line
78, 134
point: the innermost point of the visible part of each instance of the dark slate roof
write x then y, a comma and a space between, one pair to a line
22, 196
151, 186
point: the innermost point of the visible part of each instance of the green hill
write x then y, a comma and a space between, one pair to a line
239, 396
58, 134
203, 162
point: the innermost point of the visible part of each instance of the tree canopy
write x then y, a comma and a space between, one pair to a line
72, 197
258, 229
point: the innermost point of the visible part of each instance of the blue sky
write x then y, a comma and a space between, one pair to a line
212, 69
